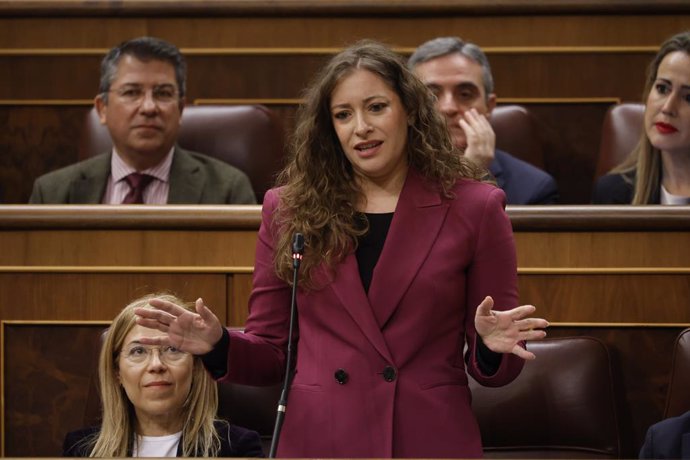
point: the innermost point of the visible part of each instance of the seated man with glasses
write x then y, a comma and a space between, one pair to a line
140, 101
157, 401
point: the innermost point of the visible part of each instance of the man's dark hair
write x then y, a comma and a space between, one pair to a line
443, 46
144, 49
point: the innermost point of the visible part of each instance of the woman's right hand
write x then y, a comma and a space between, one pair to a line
187, 331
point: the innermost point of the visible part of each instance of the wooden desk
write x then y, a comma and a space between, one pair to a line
618, 273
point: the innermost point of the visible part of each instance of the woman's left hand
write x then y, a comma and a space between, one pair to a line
502, 331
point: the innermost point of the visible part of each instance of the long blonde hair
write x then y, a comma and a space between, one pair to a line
645, 159
319, 190
115, 439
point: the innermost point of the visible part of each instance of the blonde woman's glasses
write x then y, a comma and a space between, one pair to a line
140, 354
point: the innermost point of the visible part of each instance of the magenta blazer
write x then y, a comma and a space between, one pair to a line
388, 381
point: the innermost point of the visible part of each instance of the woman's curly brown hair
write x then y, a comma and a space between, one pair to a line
319, 191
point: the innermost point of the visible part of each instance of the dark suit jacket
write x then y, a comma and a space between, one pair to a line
618, 189
522, 182
669, 438
235, 441
400, 346
194, 179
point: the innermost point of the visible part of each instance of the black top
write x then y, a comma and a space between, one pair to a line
370, 245
618, 189
235, 441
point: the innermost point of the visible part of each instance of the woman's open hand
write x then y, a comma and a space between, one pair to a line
502, 331
187, 331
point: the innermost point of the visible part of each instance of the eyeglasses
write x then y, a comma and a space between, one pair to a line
140, 354
132, 94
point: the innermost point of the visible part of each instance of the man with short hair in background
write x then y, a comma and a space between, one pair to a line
141, 99
459, 75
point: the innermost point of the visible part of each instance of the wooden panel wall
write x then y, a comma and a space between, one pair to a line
566, 60
48, 372
618, 273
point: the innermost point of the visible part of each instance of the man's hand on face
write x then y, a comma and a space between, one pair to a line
481, 140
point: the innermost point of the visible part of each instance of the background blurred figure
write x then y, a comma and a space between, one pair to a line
658, 169
403, 246
157, 402
670, 438
140, 100
458, 73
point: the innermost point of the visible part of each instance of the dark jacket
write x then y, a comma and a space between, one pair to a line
522, 182
194, 179
618, 189
235, 441
669, 438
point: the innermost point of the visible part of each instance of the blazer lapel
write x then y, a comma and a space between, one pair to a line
417, 221
186, 179
90, 187
349, 289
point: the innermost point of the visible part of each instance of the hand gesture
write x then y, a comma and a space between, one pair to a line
481, 139
187, 331
502, 331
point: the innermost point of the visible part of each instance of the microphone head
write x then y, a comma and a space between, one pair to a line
298, 243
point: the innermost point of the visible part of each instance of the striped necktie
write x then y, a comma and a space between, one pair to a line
137, 184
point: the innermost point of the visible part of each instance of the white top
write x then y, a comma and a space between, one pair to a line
156, 446
667, 198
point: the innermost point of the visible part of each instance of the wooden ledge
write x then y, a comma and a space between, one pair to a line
601, 218
162, 8
244, 217
198, 217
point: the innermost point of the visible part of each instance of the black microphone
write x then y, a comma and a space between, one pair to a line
297, 252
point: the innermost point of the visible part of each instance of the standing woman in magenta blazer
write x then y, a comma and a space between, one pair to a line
409, 257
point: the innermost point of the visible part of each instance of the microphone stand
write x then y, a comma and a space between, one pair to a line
297, 252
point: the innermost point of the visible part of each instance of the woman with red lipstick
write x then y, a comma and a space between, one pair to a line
157, 401
658, 170
408, 258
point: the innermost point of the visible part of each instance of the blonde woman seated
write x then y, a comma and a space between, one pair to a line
157, 402
658, 169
